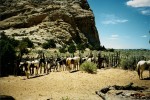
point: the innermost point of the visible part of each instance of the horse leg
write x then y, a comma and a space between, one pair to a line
75, 66
27, 72
30, 69
50, 68
33, 70
44, 68
37, 69
68, 67
142, 74
40, 68
56, 67
149, 72
63, 67
47, 68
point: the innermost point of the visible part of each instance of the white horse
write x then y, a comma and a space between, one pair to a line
77, 62
141, 67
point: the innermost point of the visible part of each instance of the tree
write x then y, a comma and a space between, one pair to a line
22, 48
29, 42
81, 47
102, 48
7, 55
96, 47
72, 48
63, 49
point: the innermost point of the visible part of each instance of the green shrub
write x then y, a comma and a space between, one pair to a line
124, 64
62, 49
49, 44
81, 47
89, 67
129, 63
28, 41
7, 57
71, 48
45, 45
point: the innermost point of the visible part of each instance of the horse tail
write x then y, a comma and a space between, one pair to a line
138, 69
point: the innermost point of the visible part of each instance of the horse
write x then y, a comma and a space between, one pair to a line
61, 63
28, 67
51, 64
34, 64
90, 59
42, 61
83, 59
141, 66
75, 61
24, 66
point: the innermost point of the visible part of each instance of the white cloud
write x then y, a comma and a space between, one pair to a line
142, 5
114, 37
139, 3
144, 36
145, 12
112, 19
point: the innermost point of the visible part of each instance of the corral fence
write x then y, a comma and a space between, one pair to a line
125, 60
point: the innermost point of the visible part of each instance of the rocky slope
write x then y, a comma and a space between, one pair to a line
64, 21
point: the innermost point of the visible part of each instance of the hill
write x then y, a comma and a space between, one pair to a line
65, 21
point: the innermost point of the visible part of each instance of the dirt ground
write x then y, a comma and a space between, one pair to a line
68, 86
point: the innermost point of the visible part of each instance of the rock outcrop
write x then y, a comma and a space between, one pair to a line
64, 21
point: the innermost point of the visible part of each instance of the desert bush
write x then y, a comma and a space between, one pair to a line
89, 67
49, 44
63, 49
28, 41
129, 63
124, 64
45, 45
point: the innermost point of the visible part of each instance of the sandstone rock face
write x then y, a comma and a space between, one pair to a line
64, 21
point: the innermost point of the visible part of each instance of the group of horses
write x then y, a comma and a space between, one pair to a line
46, 65
34, 66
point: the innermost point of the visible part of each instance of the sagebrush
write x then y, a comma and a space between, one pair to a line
89, 67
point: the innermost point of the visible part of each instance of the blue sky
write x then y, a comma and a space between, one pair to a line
122, 24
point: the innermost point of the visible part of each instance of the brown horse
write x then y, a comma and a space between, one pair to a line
75, 62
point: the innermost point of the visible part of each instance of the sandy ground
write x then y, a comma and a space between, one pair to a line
67, 86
